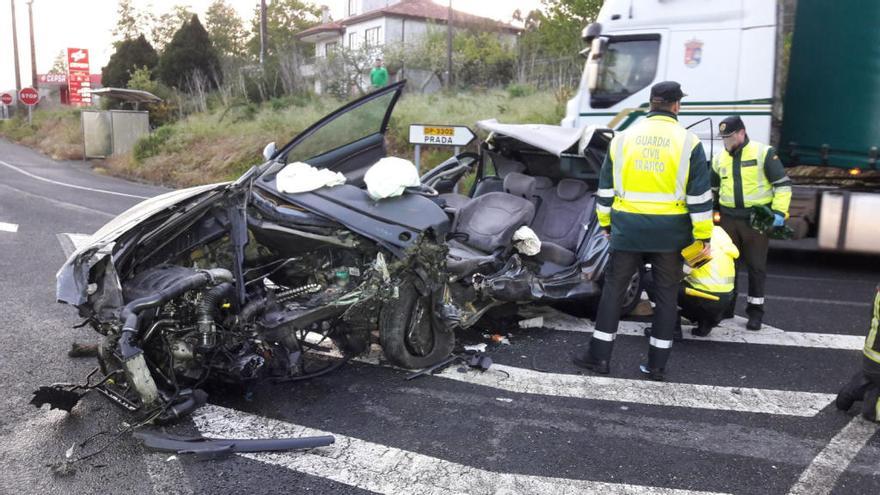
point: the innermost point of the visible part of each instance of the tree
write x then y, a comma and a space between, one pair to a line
129, 23
59, 65
167, 24
559, 23
226, 29
284, 19
189, 55
130, 54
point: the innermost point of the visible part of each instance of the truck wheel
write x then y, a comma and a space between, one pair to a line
409, 336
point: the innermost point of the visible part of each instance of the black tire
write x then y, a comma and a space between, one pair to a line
410, 337
632, 295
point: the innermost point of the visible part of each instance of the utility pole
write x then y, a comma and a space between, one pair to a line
30, 4
264, 33
15, 50
449, 47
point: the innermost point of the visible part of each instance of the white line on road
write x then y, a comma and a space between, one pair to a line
822, 474
741, 399
732, 331
383, 469
591, 387
60, 203
8, 227
813, 300
64, 184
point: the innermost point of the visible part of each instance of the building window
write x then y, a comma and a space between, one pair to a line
352, 7
371, 36
330, 48
352, 40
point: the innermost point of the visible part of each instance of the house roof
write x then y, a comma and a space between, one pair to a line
412, 9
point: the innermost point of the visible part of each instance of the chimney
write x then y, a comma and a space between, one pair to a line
325, 14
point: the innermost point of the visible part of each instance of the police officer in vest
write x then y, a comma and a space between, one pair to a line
653, 200
865, 385
745, 175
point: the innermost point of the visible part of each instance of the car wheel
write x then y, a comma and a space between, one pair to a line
632, 295
409, 335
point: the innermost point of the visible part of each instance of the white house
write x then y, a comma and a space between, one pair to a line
376, 23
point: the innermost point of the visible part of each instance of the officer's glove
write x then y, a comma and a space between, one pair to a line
778, 220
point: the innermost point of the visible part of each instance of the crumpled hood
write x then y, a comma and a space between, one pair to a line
72, 278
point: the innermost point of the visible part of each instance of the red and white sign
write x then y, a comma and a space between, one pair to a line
78, 82
52, 78
6, 99
29, 96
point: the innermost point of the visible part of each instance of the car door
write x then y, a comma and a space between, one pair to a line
350, 139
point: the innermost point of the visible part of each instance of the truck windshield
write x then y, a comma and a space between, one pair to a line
628, 65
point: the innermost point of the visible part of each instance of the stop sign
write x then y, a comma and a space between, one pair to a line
6, 99
29, 96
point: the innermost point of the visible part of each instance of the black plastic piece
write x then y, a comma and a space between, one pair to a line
212, 448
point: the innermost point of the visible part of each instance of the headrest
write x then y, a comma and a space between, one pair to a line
519, 185
571, 189
504, 165
542, 183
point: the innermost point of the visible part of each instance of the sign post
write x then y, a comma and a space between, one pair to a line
30, 97
78, 82
439, 135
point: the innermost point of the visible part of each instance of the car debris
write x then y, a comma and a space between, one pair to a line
217, 448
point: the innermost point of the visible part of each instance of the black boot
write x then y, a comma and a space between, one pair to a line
586, 360
871, 404
703, 328
852, 392
756, 314
656, 374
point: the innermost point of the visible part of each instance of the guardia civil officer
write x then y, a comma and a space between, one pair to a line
654, 199
745, 175
865, 385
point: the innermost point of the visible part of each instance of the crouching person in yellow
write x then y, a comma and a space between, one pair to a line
865, 385
715, 278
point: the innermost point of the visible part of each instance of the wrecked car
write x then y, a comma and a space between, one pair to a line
235, 282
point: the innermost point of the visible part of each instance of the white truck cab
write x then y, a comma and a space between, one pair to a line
721, 51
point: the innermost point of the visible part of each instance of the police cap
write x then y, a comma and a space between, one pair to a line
666, 92
730, 125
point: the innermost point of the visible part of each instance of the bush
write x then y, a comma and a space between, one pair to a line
153, 144
520, 90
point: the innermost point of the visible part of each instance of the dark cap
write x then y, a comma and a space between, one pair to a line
666, 92
730, 125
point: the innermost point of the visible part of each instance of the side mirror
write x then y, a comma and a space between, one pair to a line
591, 32
594, 61
269, 151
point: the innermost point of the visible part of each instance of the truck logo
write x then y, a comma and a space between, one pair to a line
693, 53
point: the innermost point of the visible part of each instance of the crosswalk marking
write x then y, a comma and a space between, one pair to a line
733, 331
8, 227
383, 469
821, 475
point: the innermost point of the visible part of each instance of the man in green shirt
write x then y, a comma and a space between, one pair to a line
379, 75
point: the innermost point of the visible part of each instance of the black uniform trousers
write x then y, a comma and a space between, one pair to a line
864, 386
753, 247
699, 310
666, 269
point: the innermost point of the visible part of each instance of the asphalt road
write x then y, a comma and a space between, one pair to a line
736, 416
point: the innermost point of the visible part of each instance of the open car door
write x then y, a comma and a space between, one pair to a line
350, 139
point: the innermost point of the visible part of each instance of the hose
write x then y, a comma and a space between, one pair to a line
207, 310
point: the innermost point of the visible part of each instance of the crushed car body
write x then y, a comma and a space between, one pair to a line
235, 282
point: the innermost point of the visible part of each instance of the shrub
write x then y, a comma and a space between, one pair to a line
152, 145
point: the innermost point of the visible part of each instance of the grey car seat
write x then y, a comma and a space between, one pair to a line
485, 224
503, 167
560, 220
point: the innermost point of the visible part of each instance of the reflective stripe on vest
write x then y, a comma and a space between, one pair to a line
681, 144
872, 345
757, 190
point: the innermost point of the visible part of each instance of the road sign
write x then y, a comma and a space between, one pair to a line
6, 99
29, 96
440, 135
78, 82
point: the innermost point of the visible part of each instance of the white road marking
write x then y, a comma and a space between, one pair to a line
383, 469
844, 279
73, 186
728, 331
8, 227
166, 474
822, 474
72, 242
591, 387
813, 300
63, 204
741, 399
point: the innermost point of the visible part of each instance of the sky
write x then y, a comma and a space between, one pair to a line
59, 24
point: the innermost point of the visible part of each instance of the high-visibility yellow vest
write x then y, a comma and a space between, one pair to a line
651, 162
756, 189
872, 344
719, 274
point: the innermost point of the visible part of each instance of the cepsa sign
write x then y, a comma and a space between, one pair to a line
440, 135
78, 82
